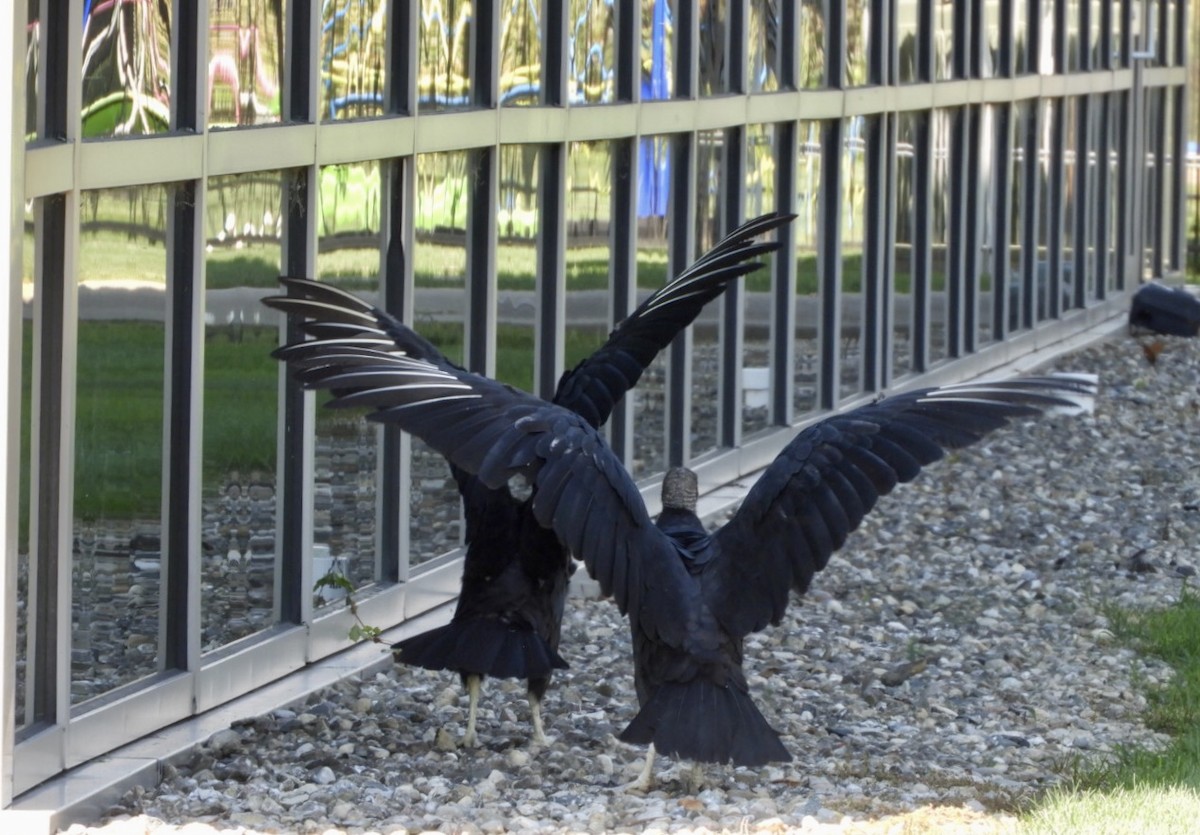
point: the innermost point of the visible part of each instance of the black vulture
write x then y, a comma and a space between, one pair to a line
691, 596
508, 617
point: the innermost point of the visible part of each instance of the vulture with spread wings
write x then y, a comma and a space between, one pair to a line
691, 597
508, 618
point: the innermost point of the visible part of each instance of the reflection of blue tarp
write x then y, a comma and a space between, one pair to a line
654, 173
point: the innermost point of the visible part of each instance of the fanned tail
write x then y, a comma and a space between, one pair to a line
481, 647
706, 722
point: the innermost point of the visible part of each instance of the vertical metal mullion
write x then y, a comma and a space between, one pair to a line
623, 242
1125, 10
400, 83
629, 51
964, 302
925, 49
480, 350
1007, 56
829, 263
549, 342
880, 192
297, 416
788, 44
1060, 36
733, 301
1031, 195
783, 288
397, 296
1049, 292
180, 641
1033, 35
922, 277
958, 222
554, 57
835, 45
1160, 176
682, 211
687, 50
186, 60
1085, 33
1003, 174
735, 46
485, 74
60, 29
1105, 45
1084, 202
879, 49
962, 53
1104, 192
301, 51
1177, 145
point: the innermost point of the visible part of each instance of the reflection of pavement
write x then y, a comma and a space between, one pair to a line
585, 308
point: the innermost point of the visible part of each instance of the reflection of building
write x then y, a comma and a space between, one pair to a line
953, 208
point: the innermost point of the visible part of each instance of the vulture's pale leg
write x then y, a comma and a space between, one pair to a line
535, 711
695, 779
645, 781
473, 687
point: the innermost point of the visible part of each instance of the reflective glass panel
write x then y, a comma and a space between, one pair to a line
444, 54
346, 450
29, 300
120, 375
589, 221
940, 150
1154, 123
439, 314
807, 229
518, 216
1168, 36
33, 52
812, 43
854, 242
238, 520
763, 47
706, 332
521, 39
658, 49
1089, 202
591, 52
353, 58
908, 22
1096, 10
713, 48
245, 62
654, 177
943, 40
858, 38
1044, 62
762, 151
908, 192
126, 69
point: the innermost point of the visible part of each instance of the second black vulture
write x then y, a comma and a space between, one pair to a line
691, 597
508, 617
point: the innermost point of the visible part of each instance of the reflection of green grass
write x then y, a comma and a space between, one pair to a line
240, 391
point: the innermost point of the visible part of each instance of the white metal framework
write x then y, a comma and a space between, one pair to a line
972, 180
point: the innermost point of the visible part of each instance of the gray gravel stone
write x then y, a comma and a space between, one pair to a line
978, 592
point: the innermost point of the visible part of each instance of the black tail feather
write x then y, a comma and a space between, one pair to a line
705, 722
481, 647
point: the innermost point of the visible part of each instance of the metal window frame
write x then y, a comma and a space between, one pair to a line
58, 166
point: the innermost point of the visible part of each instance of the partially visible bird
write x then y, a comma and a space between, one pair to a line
691, 596
507, 621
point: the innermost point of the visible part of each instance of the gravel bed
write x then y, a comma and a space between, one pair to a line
954, 656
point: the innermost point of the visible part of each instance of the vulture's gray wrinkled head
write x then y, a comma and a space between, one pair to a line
680, 489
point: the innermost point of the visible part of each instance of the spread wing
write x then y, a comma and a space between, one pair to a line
595, 386
513, 440
830, 475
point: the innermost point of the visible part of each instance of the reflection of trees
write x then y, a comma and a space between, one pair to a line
352, 66
442, 191
518, 191
520, 52
246, 45
812, 43
591, 51
444, 53
126, 68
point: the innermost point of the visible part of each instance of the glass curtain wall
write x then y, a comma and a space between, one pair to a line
511, 180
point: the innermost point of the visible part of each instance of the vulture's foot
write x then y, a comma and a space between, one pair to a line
644, 784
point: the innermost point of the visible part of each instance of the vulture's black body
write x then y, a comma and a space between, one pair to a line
508, 617
691, 597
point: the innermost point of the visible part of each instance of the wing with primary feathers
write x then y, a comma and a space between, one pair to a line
595, 386
830, 475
